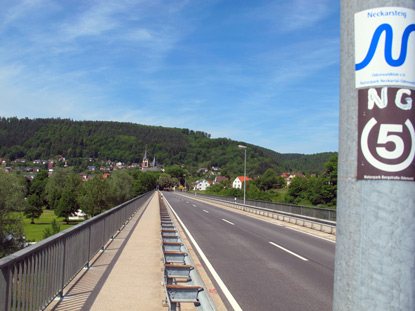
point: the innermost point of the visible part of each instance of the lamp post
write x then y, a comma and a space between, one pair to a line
244, 147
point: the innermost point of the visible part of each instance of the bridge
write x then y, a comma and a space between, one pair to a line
170, 251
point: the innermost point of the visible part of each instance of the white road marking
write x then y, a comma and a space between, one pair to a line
316, 236
194, 205
288, 251
206, 211
228, 222
215, 275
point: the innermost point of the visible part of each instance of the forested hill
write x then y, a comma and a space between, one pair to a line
126, 142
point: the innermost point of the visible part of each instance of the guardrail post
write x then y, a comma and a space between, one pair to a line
374, 261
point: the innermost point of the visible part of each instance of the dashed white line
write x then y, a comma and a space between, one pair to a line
194, 205
288, 251
228, 222
206, 211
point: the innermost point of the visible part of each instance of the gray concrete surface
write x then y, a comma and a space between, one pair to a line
127, 275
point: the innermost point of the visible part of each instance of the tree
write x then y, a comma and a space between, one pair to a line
254, 193
53, 229
96, 196
295, 190
329, 187
11, 204
121, 184
38, 186
34, 207
55, 185
145, 182
176, 171
268, 180
67, 205
166, 181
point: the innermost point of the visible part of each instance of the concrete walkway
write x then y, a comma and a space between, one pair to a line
127, 275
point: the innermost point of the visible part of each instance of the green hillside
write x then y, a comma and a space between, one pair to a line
126, 142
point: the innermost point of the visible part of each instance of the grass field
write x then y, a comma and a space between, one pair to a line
34, 232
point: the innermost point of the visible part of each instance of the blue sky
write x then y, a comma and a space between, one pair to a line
261, 72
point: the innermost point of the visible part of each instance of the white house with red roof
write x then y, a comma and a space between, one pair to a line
239, 181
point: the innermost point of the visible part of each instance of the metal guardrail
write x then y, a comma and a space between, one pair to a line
32, 277
309, 211
181, 282
323, 225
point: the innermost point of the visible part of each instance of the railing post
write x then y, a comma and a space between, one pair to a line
89, 247
4, 289
60, 294
103, 235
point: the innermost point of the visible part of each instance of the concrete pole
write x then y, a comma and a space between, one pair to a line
245, 178
375, 250
244, 147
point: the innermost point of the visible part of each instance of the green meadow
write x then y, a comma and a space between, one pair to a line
34, 232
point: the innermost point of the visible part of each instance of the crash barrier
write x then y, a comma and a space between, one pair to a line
32, 277
323, 225
181, 281
309, 211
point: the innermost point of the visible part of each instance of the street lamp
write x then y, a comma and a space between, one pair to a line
244, 147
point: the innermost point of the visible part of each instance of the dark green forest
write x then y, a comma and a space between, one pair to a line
126, 142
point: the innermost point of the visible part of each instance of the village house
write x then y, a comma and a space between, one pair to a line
219, 179
238, 182
291, 177
201, 184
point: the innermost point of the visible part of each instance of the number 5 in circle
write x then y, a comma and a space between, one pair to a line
384, 137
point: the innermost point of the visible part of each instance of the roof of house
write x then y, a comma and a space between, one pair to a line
221, 178
241, 178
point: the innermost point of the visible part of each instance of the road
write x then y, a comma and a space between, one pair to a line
264, 266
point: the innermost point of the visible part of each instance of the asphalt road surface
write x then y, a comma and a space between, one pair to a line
264, 266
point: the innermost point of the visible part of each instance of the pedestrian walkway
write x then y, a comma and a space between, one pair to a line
127, 275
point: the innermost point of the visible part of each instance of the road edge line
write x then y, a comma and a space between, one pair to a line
224, 288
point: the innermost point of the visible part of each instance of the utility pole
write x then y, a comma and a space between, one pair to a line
244, 147
375, 249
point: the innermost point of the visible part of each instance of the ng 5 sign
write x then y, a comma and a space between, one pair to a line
386, 134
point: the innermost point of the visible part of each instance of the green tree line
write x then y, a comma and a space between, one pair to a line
126, 142
65, 193
309, 190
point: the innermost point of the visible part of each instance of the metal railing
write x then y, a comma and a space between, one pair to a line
32, 277
315, 212
323, 225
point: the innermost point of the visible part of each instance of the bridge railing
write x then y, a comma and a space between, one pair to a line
32, 277
315, 212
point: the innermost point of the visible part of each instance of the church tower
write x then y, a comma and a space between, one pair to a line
144, 164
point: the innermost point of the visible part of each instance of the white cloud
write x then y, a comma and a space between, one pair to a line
299, 14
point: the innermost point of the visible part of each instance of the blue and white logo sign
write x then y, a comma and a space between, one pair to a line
385, 47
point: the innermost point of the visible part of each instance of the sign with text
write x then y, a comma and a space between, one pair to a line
386, 147
385, 47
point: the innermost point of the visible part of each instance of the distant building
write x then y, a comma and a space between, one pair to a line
201, 184
145, 163
238, 182
219, 179
291, 177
